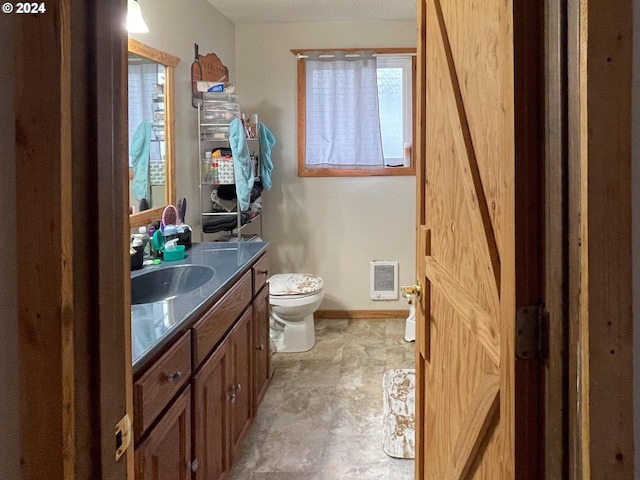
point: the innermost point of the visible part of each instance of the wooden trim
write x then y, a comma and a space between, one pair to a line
109, 292
573, 250
423, 238
472, 313
302, 115
170, 62
45, 269
338, 172
145, 218
600, 225
556, 234
601, 436
484, 405
303, 170
381, 51
146, 51
529, 226
361, 314
170, 126
71, 312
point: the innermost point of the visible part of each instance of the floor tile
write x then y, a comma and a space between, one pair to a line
321, 418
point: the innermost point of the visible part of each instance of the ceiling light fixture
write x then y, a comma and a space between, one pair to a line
135, 22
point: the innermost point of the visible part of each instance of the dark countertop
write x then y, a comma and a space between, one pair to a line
153, 325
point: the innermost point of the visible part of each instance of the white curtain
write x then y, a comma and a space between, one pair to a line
342, 117
142, 81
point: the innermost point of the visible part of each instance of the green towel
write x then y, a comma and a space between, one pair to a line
242, 165
267, 141
139, 153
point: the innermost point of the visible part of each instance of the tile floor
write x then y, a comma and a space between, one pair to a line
321, 418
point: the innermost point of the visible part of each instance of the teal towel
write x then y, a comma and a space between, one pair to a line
139, 153
242, 165
267, 140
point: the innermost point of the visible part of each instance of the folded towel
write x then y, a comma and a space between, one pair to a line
139, 153
242, 165
267, 140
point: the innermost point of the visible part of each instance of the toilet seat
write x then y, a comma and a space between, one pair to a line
283, 286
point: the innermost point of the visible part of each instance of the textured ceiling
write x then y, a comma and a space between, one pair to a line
280, 11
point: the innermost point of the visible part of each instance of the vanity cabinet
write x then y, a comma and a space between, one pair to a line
159, 384
166, 452
240, 391
223, 402
262, 356
261, 352
195, 404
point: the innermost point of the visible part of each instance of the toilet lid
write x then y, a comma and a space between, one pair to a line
294, 284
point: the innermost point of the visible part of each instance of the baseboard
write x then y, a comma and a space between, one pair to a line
361, 314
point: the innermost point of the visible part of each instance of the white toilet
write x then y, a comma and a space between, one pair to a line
293, 298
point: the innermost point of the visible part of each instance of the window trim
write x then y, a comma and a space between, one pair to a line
303, 171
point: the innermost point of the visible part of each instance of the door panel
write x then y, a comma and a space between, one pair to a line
210, 426
166, 452
466, 241
241, 362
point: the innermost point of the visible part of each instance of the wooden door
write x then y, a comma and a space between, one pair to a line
478, 143
166, 452
210, 433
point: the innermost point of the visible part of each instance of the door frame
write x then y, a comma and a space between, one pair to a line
73, 307
556, 240
599, 73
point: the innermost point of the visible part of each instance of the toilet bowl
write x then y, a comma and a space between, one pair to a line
293, 298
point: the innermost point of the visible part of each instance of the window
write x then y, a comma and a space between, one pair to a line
355, 112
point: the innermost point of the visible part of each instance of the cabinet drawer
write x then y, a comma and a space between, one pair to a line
210, 329
260, 273
157, 386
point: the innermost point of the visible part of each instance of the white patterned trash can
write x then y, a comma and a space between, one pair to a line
399, 398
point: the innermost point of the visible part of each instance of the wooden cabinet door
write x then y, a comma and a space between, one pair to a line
241, 389
211, 394
476, 141
166, 452
261, 354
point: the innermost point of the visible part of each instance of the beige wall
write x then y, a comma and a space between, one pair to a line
332, 227
174, 26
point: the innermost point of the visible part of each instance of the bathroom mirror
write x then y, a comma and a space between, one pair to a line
151, 132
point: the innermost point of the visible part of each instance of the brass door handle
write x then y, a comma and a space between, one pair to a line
411, 292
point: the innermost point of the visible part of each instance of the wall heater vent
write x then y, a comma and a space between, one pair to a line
384, 280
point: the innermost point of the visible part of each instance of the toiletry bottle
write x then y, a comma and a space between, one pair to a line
142, 232
215, 179
207, 168
136, 253
254, 162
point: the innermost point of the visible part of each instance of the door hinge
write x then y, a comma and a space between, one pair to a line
123, 436
532, 333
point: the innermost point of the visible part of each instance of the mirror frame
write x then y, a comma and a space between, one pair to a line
170, 62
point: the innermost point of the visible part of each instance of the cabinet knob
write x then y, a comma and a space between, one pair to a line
174, 377
194, 465
232, 398
260, 347
263, 272
238, 387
